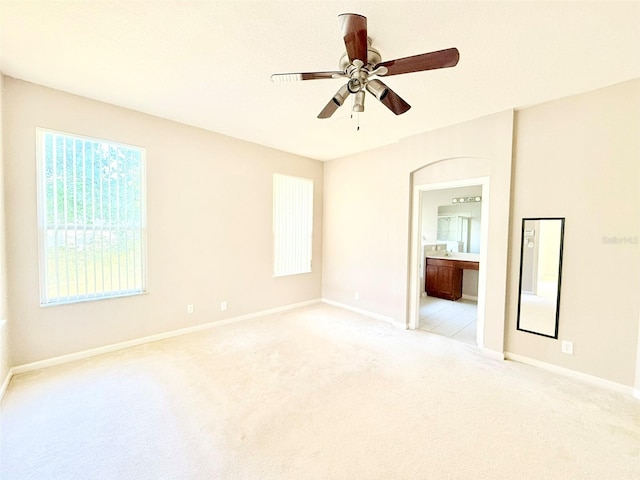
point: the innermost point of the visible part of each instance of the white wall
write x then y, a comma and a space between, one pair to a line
4, 326
636, 391
578, 158
209, 226
367, 214
433, 199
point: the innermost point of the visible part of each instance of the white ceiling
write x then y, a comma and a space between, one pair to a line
207, 63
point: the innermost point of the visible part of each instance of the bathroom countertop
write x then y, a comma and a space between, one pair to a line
467, 257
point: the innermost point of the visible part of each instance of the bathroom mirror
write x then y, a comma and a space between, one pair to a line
540, 275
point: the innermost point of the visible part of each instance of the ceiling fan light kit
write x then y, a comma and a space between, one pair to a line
361, 62
377, 89
341, 95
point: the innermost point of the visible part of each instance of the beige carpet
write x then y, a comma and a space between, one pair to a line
314, 393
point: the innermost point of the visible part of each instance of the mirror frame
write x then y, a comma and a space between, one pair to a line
557, 315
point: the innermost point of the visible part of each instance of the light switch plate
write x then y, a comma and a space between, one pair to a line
567, 347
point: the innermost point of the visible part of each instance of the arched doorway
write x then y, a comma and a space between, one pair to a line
417, 281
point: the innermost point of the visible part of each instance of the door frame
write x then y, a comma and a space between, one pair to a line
416, 255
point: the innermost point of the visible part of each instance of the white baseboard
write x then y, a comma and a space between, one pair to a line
377, 316
470, 297
491, 353
597, 381
5, 383
183, 331
151, 338
4, 344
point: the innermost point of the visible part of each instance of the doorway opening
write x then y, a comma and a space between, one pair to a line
449, 250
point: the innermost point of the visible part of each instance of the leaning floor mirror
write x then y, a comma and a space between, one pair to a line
540, 275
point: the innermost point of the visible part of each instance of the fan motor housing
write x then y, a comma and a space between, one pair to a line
373, 57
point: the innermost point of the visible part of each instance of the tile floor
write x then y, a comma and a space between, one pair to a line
456, 320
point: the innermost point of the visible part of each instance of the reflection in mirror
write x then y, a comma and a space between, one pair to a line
540, 275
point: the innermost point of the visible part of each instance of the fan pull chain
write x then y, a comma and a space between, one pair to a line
353, 103
357, 120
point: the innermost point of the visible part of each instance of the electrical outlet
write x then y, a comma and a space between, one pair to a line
223, 306
190, 308
357, 295
567, 347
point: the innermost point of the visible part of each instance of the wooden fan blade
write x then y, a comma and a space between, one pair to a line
294, 77
354, 32
329, 109
418, 63
393, 102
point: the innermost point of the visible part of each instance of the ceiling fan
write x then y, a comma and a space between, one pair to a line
361, 62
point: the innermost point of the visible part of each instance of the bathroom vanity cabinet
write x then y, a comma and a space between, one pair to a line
443, 276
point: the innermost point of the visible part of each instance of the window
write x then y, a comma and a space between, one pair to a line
292, 225
91, 218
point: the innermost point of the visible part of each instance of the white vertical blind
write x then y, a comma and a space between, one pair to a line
292, 225
91, 217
